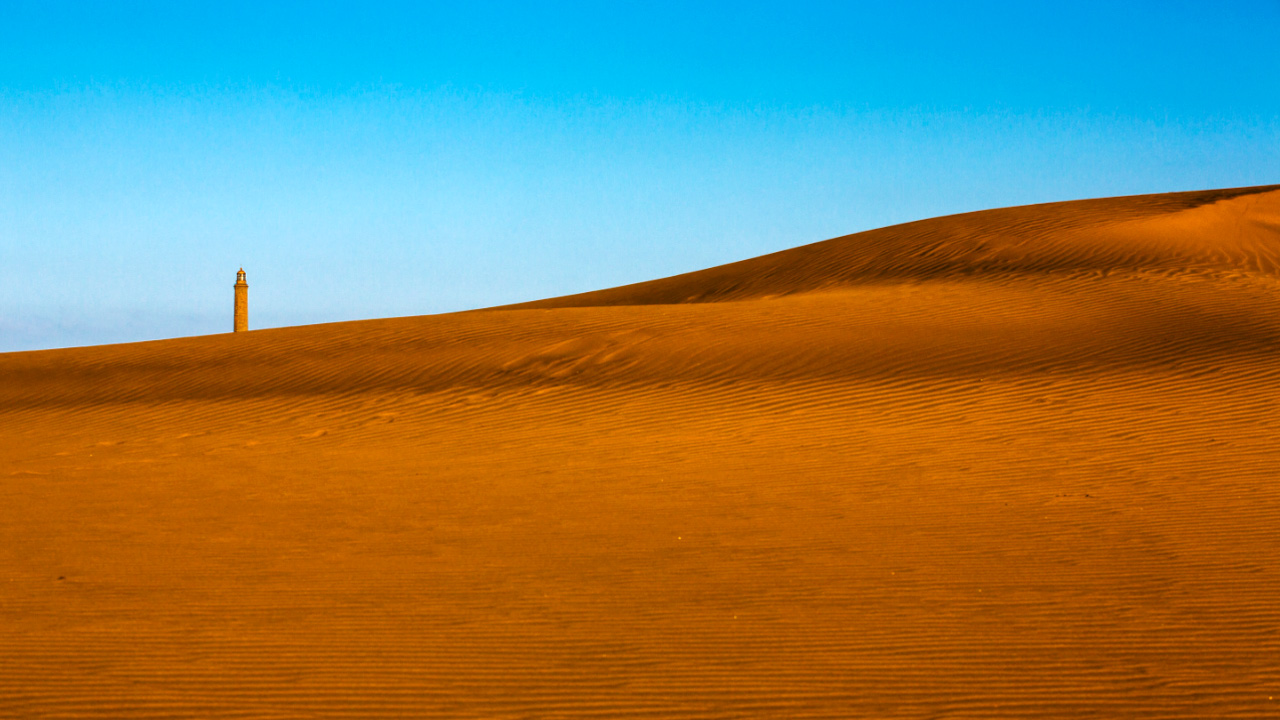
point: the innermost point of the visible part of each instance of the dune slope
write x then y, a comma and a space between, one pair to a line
1232, 230
1015, 463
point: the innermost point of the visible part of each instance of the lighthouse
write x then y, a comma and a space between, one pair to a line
242, 303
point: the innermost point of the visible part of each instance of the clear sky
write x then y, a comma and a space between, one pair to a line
380, 159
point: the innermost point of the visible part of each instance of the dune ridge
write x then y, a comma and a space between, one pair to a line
1013, 463
1225, 230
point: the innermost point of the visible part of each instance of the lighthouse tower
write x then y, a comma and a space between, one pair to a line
242, 303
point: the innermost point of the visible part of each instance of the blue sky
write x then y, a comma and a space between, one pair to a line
371, 160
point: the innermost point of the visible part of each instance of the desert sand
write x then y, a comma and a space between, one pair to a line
1018, 463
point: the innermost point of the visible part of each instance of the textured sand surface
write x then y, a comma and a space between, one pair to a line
1018, 463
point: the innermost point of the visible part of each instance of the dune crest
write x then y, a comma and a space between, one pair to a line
1014, 463
1214, 230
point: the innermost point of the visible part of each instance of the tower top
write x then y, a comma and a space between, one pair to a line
240, 277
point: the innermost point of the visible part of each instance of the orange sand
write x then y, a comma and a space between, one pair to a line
1017, 463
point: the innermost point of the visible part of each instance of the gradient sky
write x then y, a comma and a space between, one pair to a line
369, 160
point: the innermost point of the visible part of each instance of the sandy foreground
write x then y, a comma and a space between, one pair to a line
1018, 463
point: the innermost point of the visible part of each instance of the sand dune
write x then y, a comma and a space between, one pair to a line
1014, 463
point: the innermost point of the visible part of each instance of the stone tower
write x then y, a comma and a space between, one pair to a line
242, 303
